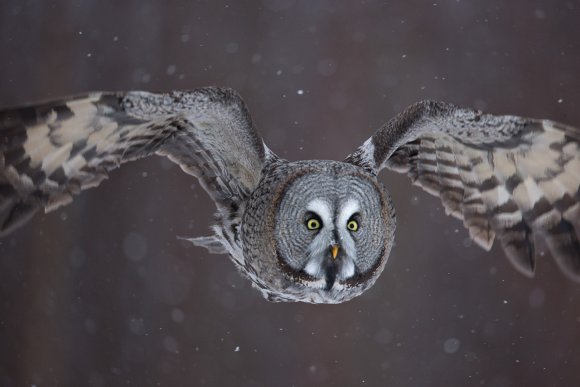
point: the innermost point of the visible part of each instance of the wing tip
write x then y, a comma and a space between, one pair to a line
565, 249
520, 250
16, 215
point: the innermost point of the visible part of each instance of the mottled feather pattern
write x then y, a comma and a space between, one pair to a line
504, 176
50, 152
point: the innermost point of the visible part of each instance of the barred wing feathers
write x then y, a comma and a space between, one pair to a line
507, 177
52, 151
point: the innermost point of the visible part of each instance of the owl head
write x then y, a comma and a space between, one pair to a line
329, 229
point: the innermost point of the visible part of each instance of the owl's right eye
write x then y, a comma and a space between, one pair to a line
313, 224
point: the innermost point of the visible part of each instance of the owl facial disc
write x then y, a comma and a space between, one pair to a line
332, 234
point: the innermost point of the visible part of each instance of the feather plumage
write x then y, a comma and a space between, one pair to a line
507, 177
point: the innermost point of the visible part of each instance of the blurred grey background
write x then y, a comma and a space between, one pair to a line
102, 293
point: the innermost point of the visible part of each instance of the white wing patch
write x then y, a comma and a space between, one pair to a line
527, 194
85, 113
56, 158
37, 145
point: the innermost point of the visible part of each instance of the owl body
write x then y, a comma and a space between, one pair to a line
314, 231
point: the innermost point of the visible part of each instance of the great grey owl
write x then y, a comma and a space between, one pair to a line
314, 231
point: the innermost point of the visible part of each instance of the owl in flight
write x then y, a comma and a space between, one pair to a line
315, 231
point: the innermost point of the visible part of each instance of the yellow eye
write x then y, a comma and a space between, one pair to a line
313, 224
352, 225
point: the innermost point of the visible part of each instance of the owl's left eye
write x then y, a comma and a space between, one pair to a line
352, 225
313, 224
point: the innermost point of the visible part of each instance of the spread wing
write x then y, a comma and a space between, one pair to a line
507, 177
50, 152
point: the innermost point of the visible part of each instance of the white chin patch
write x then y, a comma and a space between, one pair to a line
346, 269
313, 268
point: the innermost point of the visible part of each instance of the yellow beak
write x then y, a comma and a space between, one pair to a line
334, 251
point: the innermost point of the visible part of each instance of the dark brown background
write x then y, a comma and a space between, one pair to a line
101, 293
